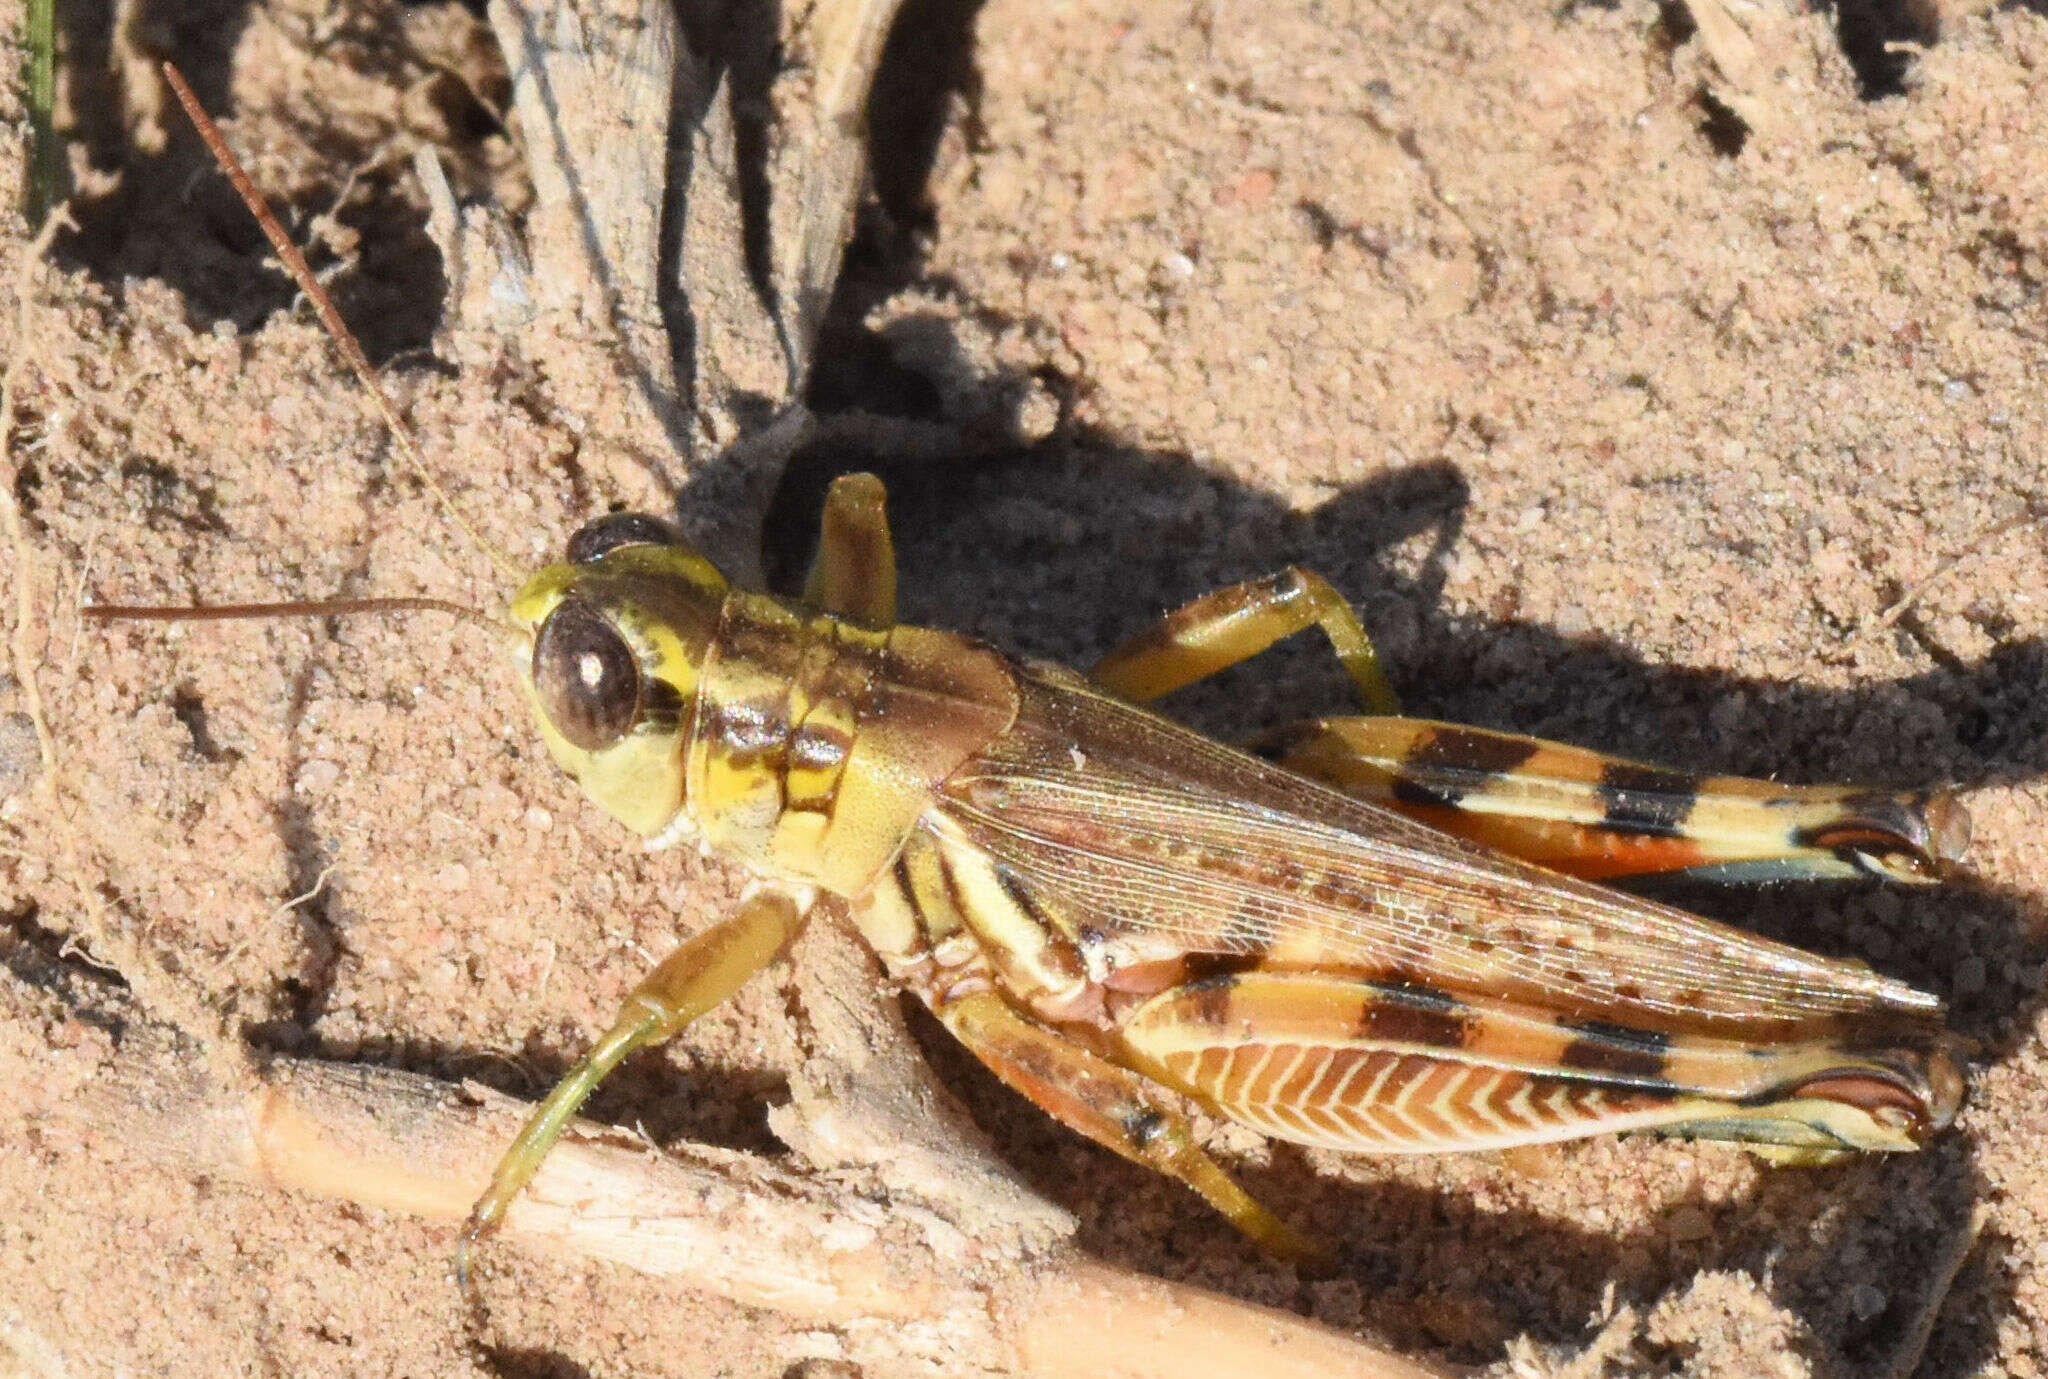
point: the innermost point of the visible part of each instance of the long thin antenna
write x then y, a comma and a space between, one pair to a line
315, 608
344, 339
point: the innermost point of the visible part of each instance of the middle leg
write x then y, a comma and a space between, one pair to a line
1236, 623
854, 571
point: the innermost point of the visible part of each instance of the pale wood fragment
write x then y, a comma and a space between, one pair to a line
1746, 51
899, 1281
709, 256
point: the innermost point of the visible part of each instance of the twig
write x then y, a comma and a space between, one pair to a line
1974, 547
891, 1279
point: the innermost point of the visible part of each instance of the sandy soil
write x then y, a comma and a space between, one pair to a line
1618, 390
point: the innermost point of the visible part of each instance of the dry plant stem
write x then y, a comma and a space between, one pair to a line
591, 94
1972, 548
640, 235
820, 165
718, 1222
626, 126
646, 285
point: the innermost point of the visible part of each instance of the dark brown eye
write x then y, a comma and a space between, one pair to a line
602, 535
587, 677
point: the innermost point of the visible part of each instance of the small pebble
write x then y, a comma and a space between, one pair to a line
1037, 413
316, 777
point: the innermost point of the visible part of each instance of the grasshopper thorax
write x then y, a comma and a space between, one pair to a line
610, 647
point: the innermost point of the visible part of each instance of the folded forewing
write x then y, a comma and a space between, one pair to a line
1157, 839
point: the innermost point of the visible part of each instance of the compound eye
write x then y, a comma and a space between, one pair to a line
602, 535
586, 676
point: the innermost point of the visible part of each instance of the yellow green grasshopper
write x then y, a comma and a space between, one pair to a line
1114, 912
1121, 917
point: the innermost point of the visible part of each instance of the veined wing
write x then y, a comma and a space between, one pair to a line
1141, 838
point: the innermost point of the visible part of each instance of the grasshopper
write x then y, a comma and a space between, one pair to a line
1114, 912
1365, 938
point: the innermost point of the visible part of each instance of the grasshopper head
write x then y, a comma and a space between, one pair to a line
610, 645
